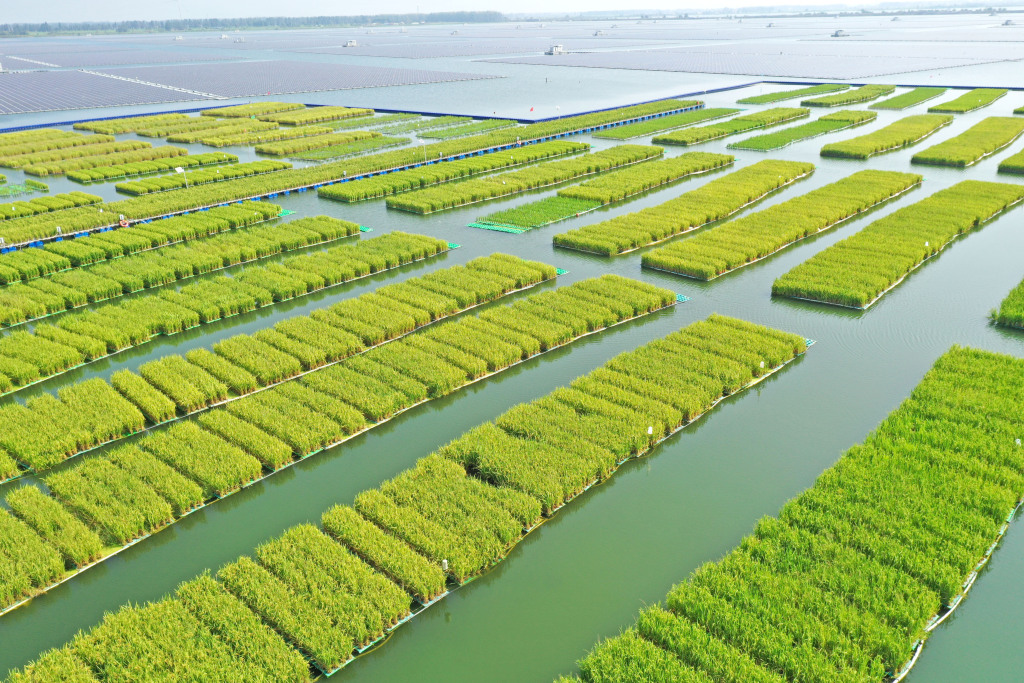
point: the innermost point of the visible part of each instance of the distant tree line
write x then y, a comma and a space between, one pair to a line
180, 25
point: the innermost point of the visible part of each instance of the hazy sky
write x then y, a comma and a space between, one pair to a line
113, 10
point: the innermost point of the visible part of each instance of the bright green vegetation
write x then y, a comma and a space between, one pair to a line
1019, 110
740, 124
38, 205
1011, 310
1013, 164
157, 267
829, 123
351, 148
768, 98
259, 434
857, 271
969, 101
304, 144
64, 153
513, 182
468, 129
129, 124
241, 129
103, 173
842, 99
82, 337
212, 175
252, 109
757, 236
419, 178
845, 583
57, 139
977, 142
611, 187
713, 201
163, 203
301, 117
909, 98
670, 122
130, 157
226, 139
373, 121
427, 124
461, 510
192, 124
897, 135
53, 257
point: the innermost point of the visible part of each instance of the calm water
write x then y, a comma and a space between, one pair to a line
586, 573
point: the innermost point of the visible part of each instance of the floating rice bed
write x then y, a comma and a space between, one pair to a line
613, 187
666, 123
351, 149
311, 142
1011, 310
291, 238
454, 493
969, 101
897, 135
103, 146
758, 236
468, 129
179, 180
868, 571
301, 179
38, 205
859, 270
102, 174
977, 143
465, 193
244, 111
770, 98
65, 166
909, 99
829, 123
740, 124
1013, 164
714, 201
865, 93
664, 301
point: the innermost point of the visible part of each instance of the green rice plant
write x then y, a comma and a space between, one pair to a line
227, 130
782, 95
205, 458
715, 200
739, 124
969, 101
759, 235
258, 134
40, 205
186, 125
54, 665
76, 542
514, 182
977, 142
252, 109
237, 379
170, 182
536, 214
1013, 164
102, 147
422, 123
372, 121
1011, 309
618, 185
849, 579
909, 98
351, 148
269, 450
450, 132
64, 166
829, 123
897, 135
27, 562
179, 491
857, 271
864, 93
59, 139
189, 386
664, 123
128, 124
266, 363
104, 173
415, 179
304, 144
301, 117
150, 401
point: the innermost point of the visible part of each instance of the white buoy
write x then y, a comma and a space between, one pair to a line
444, 565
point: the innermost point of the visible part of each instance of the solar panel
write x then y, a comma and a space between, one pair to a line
51, 90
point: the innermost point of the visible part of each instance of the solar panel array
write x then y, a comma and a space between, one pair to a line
68, 58
471, 47
52, 90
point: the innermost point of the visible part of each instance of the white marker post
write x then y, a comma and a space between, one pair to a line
179, 169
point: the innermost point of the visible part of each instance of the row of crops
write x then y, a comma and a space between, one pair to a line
977, 142
740, 124
749, 239
244, 136
606, 189
351, 148
304, 144
857, 271
45, 140
781, 96
421, 124
663, 123
302, 117
848, 581
164, 203
212, 135
233, 445
244, 111
896, 135
969, 101
452, 195
69, 289
468, 129
333, 591
101, 145
909, 98
1013, 164
419, 178
1011, 310
713, 201
130, 124
829, 123
66, 166
212, 175
865, 93
38, 205
104, 173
